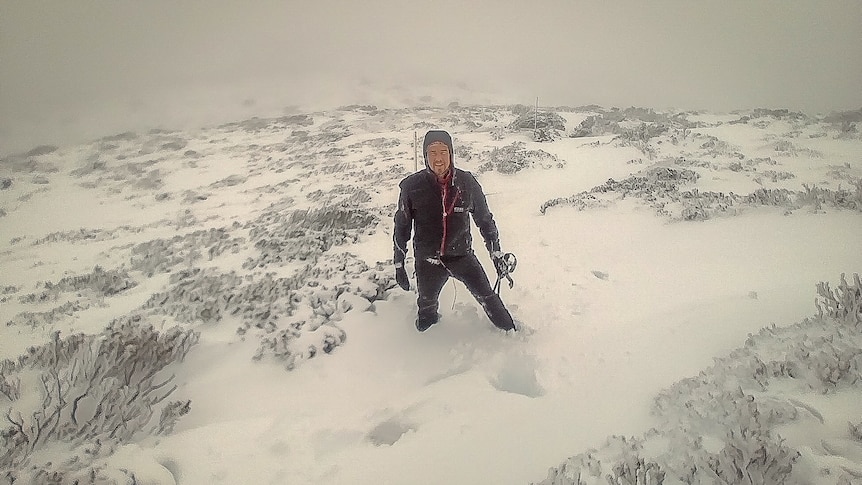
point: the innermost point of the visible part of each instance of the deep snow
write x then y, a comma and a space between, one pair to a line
620, 303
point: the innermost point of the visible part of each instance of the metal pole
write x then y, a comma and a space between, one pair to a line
536, 121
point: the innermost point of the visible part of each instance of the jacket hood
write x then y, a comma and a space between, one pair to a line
441, 136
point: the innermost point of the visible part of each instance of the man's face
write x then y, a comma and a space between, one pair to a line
439, 158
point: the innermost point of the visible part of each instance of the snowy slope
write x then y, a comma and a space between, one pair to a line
650, 248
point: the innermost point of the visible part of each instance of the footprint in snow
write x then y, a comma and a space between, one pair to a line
517, 374
390, 431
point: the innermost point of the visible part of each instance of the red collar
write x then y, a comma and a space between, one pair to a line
445, 180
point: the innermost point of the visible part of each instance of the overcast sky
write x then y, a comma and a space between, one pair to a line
73, 70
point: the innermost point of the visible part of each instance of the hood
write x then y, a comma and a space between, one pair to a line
438, 135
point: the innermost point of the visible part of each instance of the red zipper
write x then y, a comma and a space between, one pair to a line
446, 213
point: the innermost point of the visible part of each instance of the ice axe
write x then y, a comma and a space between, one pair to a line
505, 266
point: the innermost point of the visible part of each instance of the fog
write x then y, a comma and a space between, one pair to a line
71, 71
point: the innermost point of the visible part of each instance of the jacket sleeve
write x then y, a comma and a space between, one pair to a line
484, 219
403, 227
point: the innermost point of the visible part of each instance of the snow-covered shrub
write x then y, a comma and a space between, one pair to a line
331, 288
286, 313
5, 183
162, 255
343, 195
27, 164
639, 137
93, 286
769, 197
855, 431
816, 197
655, 183
103, 283
636, 471
92, 388
360, 108
749, 457
10, 384
42, 150
660, 187
297, 120
595, 125
717, 148
787, 148
515, 157
305, 234
776, 176
77, 236
377, 144
843, 304
618, 462
171, 413
546, 125
498, 133
781, 114
302, 341
49, 317
230, 181
331, 132
196, 295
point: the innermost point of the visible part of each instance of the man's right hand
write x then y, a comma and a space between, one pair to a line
401, 277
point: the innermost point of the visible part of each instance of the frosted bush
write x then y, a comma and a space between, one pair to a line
75, 236
595, 125
749, 457
196, 295
103, 283
171, 413
654, 183
303, 340
230, 181
93, 389
515, 157
775, 176
50, 317
10, 384
843, 304
719, 426
855, 431
547, 124
834, 366
162, 255
778, 114
661, 188
344, 195
305, 234
42, 150
284, 312
26, 164
640, 135
618, 462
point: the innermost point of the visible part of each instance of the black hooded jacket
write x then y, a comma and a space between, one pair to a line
442, 229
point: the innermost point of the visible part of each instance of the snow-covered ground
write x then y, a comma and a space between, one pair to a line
652, 250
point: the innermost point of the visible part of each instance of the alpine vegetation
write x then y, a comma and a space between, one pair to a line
87, 395
725, 425
223, 304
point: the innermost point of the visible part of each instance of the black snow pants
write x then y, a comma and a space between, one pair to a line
432, 275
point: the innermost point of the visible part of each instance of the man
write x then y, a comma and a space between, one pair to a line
437, 201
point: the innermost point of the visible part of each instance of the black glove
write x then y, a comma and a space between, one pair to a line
499, 263
401, 277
